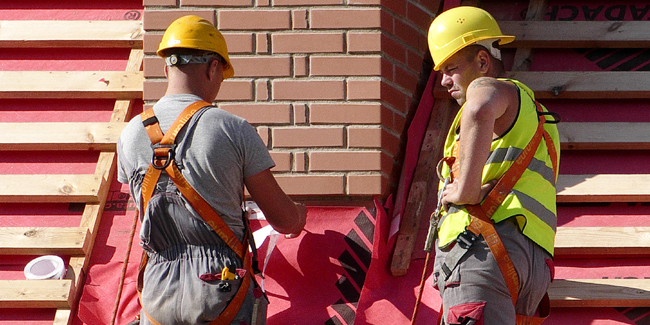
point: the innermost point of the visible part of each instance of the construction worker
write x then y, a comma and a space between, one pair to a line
197, 259
499, 126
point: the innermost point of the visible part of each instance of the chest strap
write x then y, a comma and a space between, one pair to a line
164, 146
481, 223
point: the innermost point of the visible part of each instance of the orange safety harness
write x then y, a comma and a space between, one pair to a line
164, 159
480, 214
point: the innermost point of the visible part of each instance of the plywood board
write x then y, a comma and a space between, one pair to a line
615, 241
600, 293
60, 136
605, 135
35, 293
43, 240
603, 188
71, 84
76, 33
49, 188
578, 34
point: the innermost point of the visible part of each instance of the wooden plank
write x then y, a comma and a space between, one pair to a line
60, 136
524, 55
49, 188
586, 84
601, 241
35, 293
71, 84
423, 185
44, 240
600, 293
604, 135
579, 84
71, 33
603, 188
578, 34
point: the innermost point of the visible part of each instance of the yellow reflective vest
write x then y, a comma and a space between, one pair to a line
532, 199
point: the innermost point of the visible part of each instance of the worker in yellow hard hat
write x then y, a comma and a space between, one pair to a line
500, 168
186, 163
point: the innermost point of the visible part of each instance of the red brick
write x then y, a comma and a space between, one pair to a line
344, 113
388, 70
262, 66
216, 3
387, 22
366, 65
407, 33
163, 3
153, 90
263, 132
258, 113
298, 19
366, 184
282, 161
261, 90
299, 161
235, 90
394, 97
151, 42
406, 79
311, 184
239, 43
398, 8
299, 113
393, 48
344, 18
262, 43
345, 161
306, 2
418, 16
364, 137
364, 42
307, 43
160, 19
307, 89
262, 3
387, 163
390, 142
300, 68
307, 137
153, 66
414, 60
254, 19
363, 89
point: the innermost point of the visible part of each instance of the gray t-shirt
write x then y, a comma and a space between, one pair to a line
220, 150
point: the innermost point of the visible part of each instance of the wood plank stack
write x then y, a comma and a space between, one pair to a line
571, 242
89, 189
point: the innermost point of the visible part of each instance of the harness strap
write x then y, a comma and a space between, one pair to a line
163, 159
482, 224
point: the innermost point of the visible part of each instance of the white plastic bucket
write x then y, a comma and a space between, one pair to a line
45, 267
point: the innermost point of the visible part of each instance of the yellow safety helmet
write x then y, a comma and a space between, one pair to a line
460, 27
194, 32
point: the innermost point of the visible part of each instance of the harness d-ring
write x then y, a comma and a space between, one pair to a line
171, 154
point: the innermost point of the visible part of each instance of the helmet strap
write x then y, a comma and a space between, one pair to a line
180, 59
488, 44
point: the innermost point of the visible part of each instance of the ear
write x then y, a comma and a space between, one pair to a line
483, 60
166, 72
213, 69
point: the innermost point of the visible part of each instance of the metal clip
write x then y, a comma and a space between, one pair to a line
466, 239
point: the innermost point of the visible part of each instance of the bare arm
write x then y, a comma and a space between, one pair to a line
280, 211
488, 101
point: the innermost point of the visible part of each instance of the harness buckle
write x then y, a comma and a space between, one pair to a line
163, 155
466, 239
556, 117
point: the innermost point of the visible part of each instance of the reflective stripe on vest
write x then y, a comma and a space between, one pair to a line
532, 200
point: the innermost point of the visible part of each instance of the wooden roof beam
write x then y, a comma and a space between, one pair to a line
44, 240
600, 293
71, 33
60, 135
71, 84
50, 188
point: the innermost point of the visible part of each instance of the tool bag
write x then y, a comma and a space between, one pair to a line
163, 161
480, 214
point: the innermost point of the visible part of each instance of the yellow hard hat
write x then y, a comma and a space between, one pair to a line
194, 32
459, 27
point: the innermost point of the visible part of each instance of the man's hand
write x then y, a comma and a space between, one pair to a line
451, 194
302, 215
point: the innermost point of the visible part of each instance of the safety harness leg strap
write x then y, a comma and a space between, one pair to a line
163, 159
